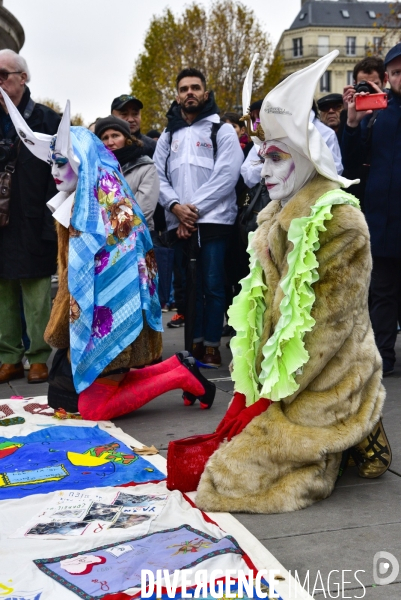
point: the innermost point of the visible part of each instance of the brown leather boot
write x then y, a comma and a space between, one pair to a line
38, 373
198, 350
9, 372
212, 357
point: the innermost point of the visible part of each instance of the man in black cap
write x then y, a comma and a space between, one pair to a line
129, 108
373, 139
330, 108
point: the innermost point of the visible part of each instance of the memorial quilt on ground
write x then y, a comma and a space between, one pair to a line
77, 532
115, 568
82, 513
57, 458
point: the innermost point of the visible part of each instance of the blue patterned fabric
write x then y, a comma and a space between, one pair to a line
112, 273
68, 458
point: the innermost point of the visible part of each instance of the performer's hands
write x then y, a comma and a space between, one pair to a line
234, 426
237, 404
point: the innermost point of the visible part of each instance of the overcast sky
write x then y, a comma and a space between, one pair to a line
85, 50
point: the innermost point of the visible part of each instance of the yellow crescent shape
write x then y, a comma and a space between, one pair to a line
86, 460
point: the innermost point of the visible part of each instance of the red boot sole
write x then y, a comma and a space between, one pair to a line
204, 406
188, 401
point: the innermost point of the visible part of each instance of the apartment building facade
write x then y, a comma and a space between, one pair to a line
355, 28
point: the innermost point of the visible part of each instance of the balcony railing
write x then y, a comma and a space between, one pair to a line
346, 51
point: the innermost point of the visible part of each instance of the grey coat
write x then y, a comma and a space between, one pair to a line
143, 180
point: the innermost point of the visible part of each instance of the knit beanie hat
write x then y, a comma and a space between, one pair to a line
112, 122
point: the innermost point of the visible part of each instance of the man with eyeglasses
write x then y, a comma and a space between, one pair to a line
28, 243
129, 108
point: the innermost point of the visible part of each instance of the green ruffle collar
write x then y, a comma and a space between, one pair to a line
284, 352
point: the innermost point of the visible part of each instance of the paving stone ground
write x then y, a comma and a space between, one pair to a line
330, 540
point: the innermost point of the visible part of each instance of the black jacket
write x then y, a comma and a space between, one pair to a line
149, 145
382, 150
28, 244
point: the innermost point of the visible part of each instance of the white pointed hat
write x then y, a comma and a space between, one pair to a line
247, 87
246, 98
285, 116
39, 143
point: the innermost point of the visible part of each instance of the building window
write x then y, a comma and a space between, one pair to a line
322, 45
297, 49
350, 48
302, 16
372, 14
345, 14
350, 78
325, 82
378, 44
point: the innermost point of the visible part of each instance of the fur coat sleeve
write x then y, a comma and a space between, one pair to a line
291, 453
57, 332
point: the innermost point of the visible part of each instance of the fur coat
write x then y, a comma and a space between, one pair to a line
288, 457
143, 351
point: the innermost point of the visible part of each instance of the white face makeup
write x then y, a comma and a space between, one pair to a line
278, 169
64, 176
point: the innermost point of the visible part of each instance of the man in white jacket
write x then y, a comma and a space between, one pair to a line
199, 161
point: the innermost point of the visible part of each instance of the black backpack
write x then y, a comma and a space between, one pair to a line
257, 199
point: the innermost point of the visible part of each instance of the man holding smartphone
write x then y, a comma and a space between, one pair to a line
372, 138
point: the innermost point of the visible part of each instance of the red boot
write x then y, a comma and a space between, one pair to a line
104, 400
159, 368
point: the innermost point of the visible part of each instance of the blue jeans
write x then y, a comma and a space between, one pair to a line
210, 293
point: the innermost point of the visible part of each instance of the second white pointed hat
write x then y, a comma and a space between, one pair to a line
285, 116
39, 143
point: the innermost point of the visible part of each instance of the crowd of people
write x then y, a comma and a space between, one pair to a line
195, 178
306, 368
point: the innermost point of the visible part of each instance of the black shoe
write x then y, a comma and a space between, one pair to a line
207, 399
183, 355
176, 321
388, 368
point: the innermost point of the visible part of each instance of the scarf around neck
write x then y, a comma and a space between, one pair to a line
176, 121
130, 154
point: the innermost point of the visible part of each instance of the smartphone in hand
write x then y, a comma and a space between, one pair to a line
370, 101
